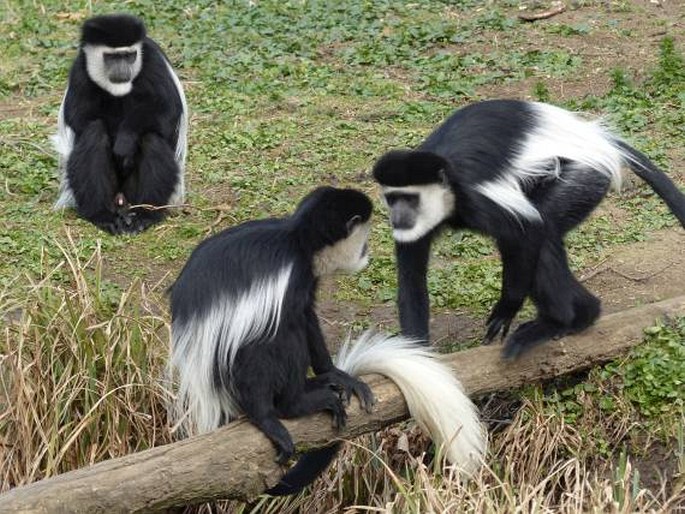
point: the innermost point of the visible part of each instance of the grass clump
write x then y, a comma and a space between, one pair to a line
82, 372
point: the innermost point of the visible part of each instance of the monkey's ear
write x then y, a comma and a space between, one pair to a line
443, 177
353, 222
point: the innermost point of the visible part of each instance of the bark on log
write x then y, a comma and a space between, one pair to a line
237, 461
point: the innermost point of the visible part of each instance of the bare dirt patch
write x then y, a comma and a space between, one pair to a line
613, 40
640, 273
630, 275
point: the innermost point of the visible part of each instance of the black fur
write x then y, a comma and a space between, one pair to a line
269, 375
123, 144
403, 167
112, 30
476, 145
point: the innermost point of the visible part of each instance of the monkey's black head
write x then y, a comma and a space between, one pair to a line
113, 47
416, 192
400, 168
112, 30
335, 224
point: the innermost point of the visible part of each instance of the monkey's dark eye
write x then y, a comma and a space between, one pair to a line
410, 199
120, 57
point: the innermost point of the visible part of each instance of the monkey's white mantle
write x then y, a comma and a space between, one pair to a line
237, 461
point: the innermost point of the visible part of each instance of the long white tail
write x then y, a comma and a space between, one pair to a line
434, 395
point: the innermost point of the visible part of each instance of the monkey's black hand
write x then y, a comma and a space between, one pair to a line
142, 219
500, 319
284, 451
348, 385
125, 148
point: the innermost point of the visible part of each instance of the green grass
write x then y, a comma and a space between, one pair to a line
288, 95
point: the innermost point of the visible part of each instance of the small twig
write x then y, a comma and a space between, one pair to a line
19, 142
543, 15
150, 207
633, 278
223, 211
595, 271
643, 278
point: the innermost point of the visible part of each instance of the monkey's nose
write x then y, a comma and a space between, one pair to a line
401, 221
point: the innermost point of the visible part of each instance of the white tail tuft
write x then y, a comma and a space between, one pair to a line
434, 395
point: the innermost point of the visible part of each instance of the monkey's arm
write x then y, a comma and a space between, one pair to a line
81, 104
520, 254
412, 298
326, 373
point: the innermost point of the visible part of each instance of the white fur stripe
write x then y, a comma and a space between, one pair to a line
435, 397
559, 133
507, 193
178, 196
197, 344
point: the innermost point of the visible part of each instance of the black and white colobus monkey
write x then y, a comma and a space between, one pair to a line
122, 127
245, 332
524, 173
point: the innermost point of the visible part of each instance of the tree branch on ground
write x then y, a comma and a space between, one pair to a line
237, 461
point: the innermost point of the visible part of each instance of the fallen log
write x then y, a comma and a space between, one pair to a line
236, 461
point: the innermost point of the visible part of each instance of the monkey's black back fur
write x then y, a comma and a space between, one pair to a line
235, 258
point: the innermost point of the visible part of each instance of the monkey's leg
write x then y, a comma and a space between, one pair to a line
92, 178
553, 293
564, 305
273, 429
412, 297
519, 261
315, 398
152, 182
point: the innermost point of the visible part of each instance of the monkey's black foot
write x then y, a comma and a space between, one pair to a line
284, 453
138, 220
110, 222
337, 409
531, 334
348, 385
500, 319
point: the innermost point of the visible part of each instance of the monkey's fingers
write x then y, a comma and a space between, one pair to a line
339, 414
365, 396
494, 327
500, 319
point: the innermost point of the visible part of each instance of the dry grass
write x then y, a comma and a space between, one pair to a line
537, 465
82, 367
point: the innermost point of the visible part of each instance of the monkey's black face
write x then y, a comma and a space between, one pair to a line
403, 209
114, 68
416, 210
119, 65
